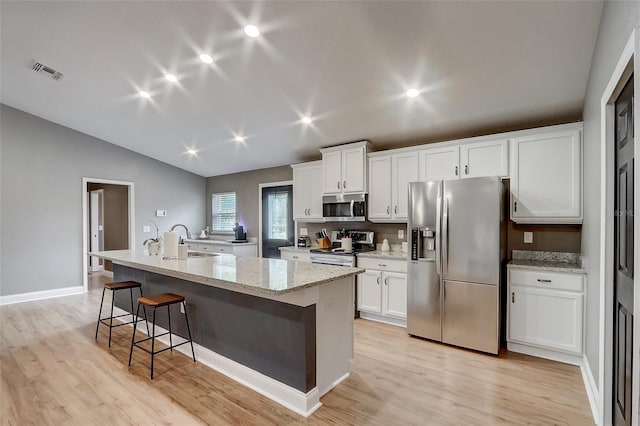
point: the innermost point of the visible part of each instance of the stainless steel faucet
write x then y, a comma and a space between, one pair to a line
185, 229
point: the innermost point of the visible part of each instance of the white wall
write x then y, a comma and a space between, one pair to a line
618, 20
41, 168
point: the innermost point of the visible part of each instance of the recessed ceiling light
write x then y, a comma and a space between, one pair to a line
144, 94
251, 31
206, 58
306, 120
412, 93
172, 78
239, 139
192, 152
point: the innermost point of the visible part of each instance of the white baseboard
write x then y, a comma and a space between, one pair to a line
546, 353
302, 403
383, 318
39, 295
592, 390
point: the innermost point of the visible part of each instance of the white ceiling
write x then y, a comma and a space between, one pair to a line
346, 64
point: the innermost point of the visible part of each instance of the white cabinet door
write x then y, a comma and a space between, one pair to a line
315, 192
369, 292
485, 159
295, 256
301, 194
332, 172
439, 163
546, 178
394, 294
379, 188
404, 170
546, 318
353, 170
249, 250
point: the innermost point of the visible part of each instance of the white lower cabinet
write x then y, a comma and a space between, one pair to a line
241, 250
297, 256
382, 290
546, 314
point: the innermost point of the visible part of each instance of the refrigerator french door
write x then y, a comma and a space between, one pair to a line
456, 286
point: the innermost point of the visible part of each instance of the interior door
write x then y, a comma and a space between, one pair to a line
623, 258
277, 219
96, 227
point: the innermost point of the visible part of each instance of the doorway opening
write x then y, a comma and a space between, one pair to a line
108, 224
277, 227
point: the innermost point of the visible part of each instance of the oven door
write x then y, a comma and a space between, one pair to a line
346, 207
332, 259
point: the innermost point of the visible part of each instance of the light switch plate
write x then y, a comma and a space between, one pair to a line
303, 232
528, 237
161, 213
401, 234
146, 229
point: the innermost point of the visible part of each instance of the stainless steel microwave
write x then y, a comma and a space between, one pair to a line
344, 208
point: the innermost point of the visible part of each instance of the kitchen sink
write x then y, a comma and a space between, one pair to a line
200, 254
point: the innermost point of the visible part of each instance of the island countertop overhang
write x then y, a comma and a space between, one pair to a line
271, 277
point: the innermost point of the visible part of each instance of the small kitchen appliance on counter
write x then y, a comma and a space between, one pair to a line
304, 241
240, 234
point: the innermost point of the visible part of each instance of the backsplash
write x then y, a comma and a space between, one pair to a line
382, 230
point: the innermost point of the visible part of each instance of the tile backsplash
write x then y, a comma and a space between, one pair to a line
382, 230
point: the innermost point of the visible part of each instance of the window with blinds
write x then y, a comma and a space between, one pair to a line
223, 211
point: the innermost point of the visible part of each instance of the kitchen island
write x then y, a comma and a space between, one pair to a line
283, 328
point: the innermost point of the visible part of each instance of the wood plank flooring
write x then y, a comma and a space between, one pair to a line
53, 372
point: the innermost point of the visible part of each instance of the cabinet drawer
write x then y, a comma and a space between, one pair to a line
192, 246
205, 247
295, 256
556, 281
382, 264
222, 249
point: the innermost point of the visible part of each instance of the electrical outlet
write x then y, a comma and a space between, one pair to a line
181, 308
146, 229
528, 237
161, 213
401, 234
303, 232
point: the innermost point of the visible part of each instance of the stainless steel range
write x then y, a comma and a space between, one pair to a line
361, 241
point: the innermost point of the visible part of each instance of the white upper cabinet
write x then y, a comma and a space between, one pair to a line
307, 191
440, 163
344, 169
389, 178
546, 178
484, 159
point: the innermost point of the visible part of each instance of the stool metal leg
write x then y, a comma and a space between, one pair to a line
133, 336
189, 330
153, 340
100, 312
113, 298
144, 309
170, 339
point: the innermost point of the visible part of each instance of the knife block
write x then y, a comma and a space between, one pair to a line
324, 243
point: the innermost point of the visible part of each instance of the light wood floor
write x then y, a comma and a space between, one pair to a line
54, 372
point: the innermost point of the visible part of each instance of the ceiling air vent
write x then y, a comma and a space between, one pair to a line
43, 69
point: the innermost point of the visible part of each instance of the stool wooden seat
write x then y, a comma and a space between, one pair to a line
153, 302
115, 286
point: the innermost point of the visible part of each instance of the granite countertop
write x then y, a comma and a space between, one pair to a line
268, 276
222, 242
547, 261
379, 254
294, 248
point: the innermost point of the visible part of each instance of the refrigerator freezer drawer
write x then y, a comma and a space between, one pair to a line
471, 316
423, 300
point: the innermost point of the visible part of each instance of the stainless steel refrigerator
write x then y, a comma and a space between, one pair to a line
457, 245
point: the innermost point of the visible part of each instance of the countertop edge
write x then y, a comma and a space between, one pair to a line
544, 266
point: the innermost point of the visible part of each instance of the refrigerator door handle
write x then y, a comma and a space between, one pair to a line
438, 235
445, 235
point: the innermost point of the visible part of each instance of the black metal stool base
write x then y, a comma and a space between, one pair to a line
108, 321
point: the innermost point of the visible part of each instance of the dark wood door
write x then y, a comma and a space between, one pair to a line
278, 227
623, 258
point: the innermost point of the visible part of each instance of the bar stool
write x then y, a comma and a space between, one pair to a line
115, 286
154, 302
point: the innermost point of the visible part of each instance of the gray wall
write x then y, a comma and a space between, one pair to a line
42, 166
618, 20
245, 184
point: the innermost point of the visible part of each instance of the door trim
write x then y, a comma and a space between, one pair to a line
628, 63
261, 186
85, 225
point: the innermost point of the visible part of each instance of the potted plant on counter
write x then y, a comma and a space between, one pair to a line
153, 244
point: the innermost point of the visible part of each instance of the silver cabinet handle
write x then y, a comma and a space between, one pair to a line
338, 184
383, 265
543, 281
515, 206
344, 184
466, 169
395, 209
378, 280
386, 280
294, 257
456, 171
388, 209
513, 297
